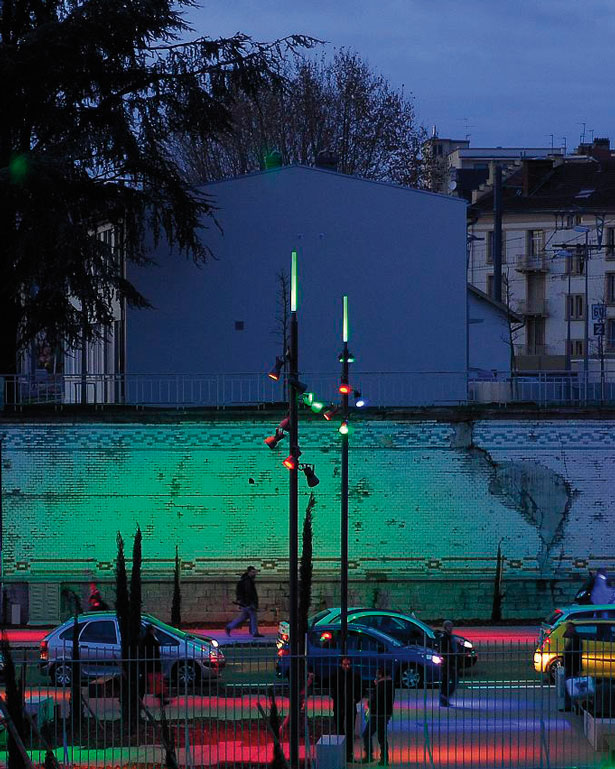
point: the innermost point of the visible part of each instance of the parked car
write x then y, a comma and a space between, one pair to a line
410, 665
406, 628
598, 648
576, 611
185, 658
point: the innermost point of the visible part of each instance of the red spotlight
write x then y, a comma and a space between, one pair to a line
276, 370
345, 388
273, 440
330, 413
290, 463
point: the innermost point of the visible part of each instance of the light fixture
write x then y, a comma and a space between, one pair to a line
345, 388
300, 387
343, 428
307, 398
317, 406
359, 400
273, 440
330, 413
310, 475
277, 368
292, 462
349, 357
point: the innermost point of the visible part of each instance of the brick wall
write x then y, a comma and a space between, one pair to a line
429, 503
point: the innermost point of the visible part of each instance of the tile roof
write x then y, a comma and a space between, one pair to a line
574, 186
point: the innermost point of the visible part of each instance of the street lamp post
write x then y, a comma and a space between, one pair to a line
293, 526
344, 482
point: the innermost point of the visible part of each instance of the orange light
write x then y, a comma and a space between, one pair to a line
290, 462
44, 650
326, 636
345, 388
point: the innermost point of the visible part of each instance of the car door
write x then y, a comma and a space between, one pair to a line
367, 653
99, 648
601, 651
590, 653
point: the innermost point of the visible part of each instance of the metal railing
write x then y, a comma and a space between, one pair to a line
502, 712
381, 389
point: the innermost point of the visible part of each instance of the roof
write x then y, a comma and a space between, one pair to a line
328, 172
572, 186
498, 305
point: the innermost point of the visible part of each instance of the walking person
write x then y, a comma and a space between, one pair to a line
246, 598
573, 649
448, 672
601, 593
346, 690
381, 702
95, 600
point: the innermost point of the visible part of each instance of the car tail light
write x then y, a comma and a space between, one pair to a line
546, 643
283, 652
44, 650
285, 637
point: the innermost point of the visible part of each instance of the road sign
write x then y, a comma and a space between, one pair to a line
598, 312
599, 329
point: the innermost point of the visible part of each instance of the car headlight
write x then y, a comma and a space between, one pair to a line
214, 643
468, 644
436, 659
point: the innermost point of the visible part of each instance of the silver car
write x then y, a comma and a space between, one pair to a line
185, 659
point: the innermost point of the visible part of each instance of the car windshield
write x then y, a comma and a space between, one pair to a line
552, 619
317, 617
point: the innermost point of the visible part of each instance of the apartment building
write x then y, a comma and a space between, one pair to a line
558, 257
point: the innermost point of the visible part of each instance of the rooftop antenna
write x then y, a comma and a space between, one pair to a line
565, 145
591, 134
434, 131
552, 138
582, 137
466, 122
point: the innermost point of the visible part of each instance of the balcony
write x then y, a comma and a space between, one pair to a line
536, 307
532, 263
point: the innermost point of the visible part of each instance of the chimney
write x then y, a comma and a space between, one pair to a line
533, 172
327, 160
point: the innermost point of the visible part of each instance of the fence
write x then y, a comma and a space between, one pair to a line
381, 389
503, 712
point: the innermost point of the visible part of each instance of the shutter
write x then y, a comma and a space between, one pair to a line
44, 603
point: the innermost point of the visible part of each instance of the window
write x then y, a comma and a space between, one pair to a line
609, 248
535, 242
610, 335
609, 287
575, 262
535, 336
577, 348
575, 307
489, 247
102, 632
365, 643
67, 635
239, 325
489, 290
164, 639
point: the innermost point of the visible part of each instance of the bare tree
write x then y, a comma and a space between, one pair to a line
332, 105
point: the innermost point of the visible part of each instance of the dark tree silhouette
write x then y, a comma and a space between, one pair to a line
84, 133
305, 573
176, 606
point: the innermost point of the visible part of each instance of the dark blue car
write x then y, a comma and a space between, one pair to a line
410, 665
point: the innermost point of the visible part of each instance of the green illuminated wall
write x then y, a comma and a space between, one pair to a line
426, 498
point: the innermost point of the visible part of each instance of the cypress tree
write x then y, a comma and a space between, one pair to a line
176, 606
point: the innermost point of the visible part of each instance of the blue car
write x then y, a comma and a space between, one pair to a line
410, 666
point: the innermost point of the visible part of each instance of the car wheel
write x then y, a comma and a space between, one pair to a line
186, 674
553, 667
62, 674
411, 677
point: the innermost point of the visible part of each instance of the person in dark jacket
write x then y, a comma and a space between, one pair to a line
601, 593
246, 598
95, 600
346, 690
151, 665
573, 649
449, 670
381, 702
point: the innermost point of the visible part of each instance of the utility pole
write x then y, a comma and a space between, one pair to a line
293, 526
497, 234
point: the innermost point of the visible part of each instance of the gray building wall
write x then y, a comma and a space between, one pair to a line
398, 253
